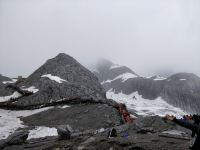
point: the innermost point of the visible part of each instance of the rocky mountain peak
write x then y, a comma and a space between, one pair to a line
61, 77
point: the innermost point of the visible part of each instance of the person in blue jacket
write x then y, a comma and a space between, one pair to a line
194, 127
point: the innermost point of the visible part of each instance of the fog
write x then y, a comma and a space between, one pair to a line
149, 36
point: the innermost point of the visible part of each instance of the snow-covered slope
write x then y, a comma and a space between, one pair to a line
145, 107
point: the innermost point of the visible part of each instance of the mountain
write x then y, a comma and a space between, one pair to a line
3, 81
90, 117
60, 77
4, 78
180, 90
107, 71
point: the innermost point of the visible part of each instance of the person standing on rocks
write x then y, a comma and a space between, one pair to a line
194, 127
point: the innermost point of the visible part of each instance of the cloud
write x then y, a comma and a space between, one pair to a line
147, 36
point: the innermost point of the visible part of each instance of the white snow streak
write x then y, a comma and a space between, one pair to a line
13, 81
54, 78
115, 66
31, 89
123, 77
159, 78
182, 79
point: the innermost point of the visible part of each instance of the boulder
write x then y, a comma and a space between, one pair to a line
17, 138
64, 132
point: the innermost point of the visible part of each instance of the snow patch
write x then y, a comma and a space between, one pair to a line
159, 78
54, 78
7, 98
10, 121
145, 107
31, 89
115, 66
182, 79
65, 106
17, 95
42, 132
10, 82
123, 77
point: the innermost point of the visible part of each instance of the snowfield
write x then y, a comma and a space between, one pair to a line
54, 78
10, 121
145, 107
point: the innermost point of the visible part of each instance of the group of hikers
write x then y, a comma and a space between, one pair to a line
191, 122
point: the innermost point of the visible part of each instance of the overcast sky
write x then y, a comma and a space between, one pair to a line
149, 36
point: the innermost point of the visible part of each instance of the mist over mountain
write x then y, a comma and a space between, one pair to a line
180, 90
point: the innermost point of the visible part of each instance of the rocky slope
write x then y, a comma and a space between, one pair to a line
180, 90
3, 81
60, 77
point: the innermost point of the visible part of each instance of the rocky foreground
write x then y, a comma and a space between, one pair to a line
90, 124
147, 133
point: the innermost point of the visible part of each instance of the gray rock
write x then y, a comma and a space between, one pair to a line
17, 138
63, 133
3, 144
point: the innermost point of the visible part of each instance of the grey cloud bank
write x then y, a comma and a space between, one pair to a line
148, 36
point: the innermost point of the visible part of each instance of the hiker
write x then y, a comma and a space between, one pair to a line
125, 114
194, 127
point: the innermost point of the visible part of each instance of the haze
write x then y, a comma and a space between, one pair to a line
149, 36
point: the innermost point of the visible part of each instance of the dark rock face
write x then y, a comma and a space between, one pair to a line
17, 138
78, 82
181, 90
4, 78
183, 93
3, 91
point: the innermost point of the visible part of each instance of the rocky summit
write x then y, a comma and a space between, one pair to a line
60, 77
